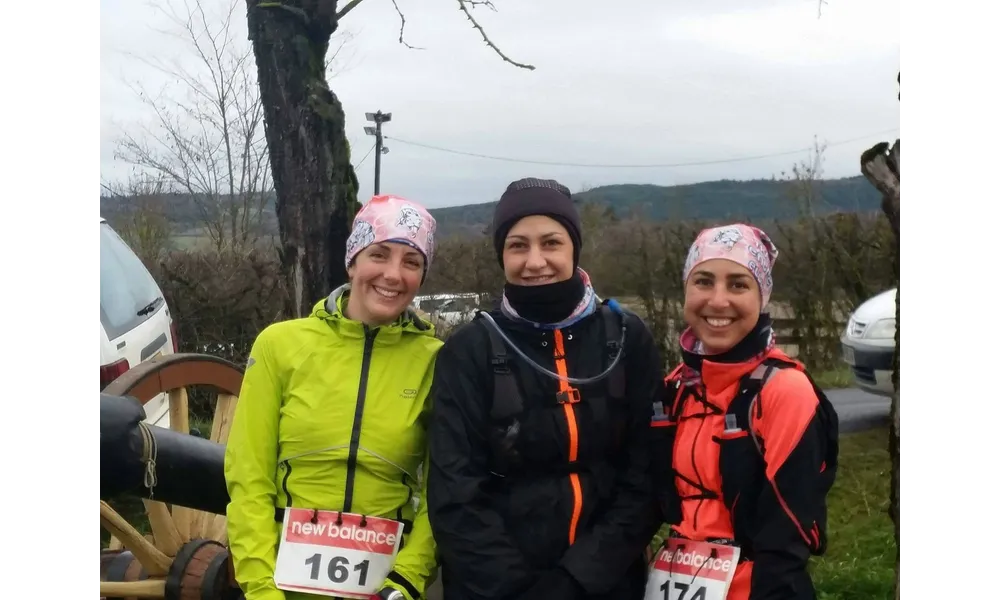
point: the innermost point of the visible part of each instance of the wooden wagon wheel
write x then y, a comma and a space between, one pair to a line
182, 538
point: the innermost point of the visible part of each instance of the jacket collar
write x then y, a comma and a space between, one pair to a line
331, 310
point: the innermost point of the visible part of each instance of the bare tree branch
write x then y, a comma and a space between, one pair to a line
335, 55
206, 137
477, 3
348, 8
402, 25
464, 7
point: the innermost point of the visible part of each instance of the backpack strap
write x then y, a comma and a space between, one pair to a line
507, 400
612, 333
830, 421
746, 403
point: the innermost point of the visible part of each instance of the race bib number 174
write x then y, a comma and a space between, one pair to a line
689, 570
318, 555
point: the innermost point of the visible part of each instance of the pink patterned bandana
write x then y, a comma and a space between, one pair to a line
392, 219
744, 245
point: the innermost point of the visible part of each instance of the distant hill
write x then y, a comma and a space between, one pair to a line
757, 200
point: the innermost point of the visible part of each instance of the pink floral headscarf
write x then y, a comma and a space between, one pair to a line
743, 244
392, 219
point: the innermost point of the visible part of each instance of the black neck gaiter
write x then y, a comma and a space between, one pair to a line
549, 303
753, 344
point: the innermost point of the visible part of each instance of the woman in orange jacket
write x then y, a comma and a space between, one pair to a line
747, 447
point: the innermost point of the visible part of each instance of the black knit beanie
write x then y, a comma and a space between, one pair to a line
531, 196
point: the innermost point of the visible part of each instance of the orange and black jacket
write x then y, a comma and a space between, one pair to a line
717, 485
567, 486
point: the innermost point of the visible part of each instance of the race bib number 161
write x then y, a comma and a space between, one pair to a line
690, 570
324, 557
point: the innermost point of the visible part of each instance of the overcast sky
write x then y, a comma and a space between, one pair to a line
649, 82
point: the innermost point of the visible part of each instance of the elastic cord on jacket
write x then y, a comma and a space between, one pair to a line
578, 381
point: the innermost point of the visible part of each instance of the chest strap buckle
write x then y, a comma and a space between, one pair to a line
570, 396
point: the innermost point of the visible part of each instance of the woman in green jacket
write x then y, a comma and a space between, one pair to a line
324, 458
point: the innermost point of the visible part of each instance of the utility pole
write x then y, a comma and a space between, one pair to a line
378, 118
898, 409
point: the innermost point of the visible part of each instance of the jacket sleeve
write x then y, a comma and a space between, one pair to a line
480, 558
250, 461
416, 563
791, 499
600, 558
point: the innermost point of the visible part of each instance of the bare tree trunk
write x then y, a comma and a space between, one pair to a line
882, 170
314, 181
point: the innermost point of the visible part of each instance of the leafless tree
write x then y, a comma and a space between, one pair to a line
803, 179
206, 139
316, 186
142, 222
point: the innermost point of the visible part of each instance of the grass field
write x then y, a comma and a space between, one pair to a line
837, 378
860, 561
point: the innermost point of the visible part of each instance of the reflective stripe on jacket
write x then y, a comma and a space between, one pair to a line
332, 415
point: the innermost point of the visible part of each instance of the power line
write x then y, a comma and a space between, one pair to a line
366, 156
637, 166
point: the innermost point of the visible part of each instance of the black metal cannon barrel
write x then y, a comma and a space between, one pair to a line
187, 470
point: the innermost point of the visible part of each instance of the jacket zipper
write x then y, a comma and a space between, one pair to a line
694, 465
284, 484
359, 410
568, 396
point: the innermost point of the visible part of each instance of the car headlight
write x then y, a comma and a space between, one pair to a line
883, 329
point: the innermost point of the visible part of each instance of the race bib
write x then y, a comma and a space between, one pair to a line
319, 556
690, 570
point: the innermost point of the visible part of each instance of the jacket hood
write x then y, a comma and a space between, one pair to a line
331, 310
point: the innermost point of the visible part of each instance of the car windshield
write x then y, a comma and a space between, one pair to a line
127, 288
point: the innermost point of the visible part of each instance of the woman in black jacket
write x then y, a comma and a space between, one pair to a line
539, 482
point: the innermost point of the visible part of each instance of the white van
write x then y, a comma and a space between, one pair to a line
868, 343
448, 309
135, 320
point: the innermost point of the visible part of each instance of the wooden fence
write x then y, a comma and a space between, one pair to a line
783, 318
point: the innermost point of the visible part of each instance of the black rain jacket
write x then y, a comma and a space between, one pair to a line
505, 512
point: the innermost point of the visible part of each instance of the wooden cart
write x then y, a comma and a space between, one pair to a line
185, 557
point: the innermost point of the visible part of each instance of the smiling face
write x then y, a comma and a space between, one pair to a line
721, 303
384, 279
537, 251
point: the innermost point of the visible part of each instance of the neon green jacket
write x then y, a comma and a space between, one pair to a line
332, 416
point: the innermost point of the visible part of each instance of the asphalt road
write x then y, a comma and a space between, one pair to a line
858, 410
